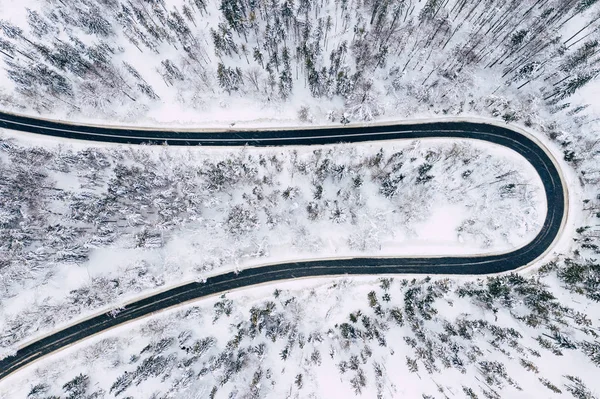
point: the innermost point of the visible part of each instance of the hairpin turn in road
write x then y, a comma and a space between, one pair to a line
533, 152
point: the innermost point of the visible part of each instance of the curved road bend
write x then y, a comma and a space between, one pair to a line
486, 264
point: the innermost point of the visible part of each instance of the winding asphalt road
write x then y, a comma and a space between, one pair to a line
537, 156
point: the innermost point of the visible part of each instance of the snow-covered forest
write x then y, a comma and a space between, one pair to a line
314, 60
89, 227
84, 228
503, 337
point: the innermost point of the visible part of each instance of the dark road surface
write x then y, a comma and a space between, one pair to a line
486, 264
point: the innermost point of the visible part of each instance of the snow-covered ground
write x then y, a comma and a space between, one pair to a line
386, 338
115, 222
133, 62
157, 63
